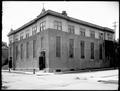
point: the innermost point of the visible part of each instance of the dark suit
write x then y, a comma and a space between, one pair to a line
40, 62
10, 63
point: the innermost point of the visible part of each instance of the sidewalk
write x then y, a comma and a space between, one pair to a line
19, 72
107, 79
38, 73
87, 70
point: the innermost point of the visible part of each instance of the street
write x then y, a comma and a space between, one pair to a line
99, 80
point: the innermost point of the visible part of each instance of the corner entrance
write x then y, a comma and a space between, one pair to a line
42, 60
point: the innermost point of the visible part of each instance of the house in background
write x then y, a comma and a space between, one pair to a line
56, 42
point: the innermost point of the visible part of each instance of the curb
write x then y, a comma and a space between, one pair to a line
20, 72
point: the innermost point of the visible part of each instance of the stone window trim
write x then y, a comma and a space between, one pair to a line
34, 48
21, 36
58, 46
34, 30
92, 34
110, 36
16, 52
27, 35
82, 31
101, 35
92, 50
42, 26
100, 51
22, 51
71, 29
27, 49
71, 48
82, 45
57, 25
16, 37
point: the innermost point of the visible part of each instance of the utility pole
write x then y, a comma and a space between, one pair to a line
114, 46
114, 25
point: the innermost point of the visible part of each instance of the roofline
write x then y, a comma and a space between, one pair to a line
53, 13
81, 22
27, 24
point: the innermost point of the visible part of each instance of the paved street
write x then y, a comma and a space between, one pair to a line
100, 80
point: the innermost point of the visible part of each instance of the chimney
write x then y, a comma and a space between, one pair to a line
43, 10
64, 13
11, 30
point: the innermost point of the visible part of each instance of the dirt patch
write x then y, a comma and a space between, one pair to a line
109, 81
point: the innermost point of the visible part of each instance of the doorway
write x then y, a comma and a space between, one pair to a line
42, 60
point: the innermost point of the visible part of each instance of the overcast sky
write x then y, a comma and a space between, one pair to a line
17, 13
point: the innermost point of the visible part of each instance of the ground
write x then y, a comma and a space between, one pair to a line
99, 80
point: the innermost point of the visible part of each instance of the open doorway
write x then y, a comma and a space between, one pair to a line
42, 60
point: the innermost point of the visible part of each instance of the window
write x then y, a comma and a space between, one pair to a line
82, 31
100, 51
21, 37
10, 51
42, 26
16, 37
92, 34
58, 25
22, 51
71, 48
27, 35
10, 40
34, 48
71, 29
34, 30
42, 42
27, 50
82, 44
110, 36
92, 50
58, 46
101, 35
16, 52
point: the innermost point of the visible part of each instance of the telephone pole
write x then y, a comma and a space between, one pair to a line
114, 25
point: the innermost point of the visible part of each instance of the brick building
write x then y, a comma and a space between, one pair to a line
56, 42
4, 59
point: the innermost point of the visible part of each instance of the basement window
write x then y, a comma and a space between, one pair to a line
58, 70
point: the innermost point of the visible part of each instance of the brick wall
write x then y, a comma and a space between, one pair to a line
66, 63
30, 62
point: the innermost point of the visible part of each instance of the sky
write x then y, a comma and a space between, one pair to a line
17, 13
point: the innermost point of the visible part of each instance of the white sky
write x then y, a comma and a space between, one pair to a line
17, 13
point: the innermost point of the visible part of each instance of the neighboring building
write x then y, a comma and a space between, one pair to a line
4, 55
64, 43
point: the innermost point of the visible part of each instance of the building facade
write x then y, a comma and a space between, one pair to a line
4, 61
58, 42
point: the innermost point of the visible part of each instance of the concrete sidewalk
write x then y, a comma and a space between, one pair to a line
38, 73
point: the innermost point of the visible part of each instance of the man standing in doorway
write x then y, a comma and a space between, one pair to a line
40, 61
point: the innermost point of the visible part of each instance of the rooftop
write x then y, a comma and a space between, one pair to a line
61, 15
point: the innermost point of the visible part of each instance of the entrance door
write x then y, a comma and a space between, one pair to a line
42, 60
